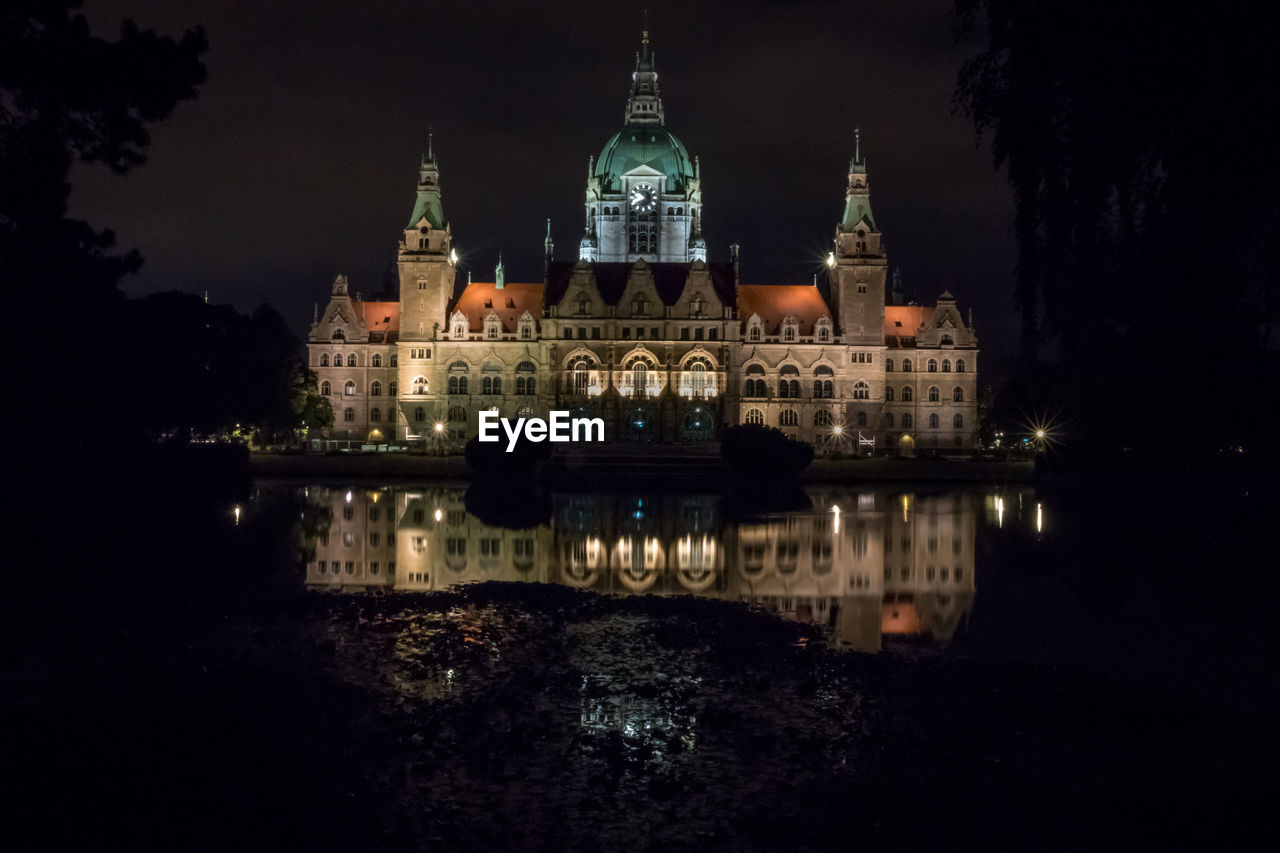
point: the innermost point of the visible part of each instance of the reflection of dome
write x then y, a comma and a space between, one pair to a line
640, 145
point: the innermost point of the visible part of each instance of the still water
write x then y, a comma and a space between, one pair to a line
1126, 582
866, 566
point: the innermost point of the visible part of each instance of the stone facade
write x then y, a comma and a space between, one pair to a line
645, 333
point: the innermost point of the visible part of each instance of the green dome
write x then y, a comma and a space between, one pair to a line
647, 145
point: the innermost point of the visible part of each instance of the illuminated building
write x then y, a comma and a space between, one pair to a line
643, 331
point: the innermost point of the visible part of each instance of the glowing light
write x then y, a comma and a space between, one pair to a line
906, 504
1000, 512
1040, 433
237, 512
349, 497
439, 427
1039, 518
453, 255
439, 514
837, 429
831, 260
836, 512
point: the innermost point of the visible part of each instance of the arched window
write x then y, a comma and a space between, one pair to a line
946, 365
959, 365
906, 421
753, 416
862, 419
906, 365
639, 378
351, 360
457, 384
753, 333
349, 389
492, 385
419, 385
375, 414
324, 360
788, 387
325, 388
339, 335
933, 421
888, 394
349, 415
457, 415
697, 378
788, 331
337, 360
957, 394
888, 365
788, 418
932, 366
580, 374
946, 341
526, 367
377, 359
958, 421
861, 390
419, 415
375, 388
395, 359
822, 418
393, 388
526, 385
906, 393
933, 394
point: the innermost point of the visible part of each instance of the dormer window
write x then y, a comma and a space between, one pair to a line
754, 330
526, 326
492, 327
790, 328
640, 306
459, 326
339, 335
822, 330
584, 304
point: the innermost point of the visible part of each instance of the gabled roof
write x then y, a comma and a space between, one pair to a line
509, 302
901, 322
775, 301
612, 278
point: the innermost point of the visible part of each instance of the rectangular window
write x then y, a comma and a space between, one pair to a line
684, 333
653, 333
582, 333
595, 333
697, 333
568, 333
711, 334
626, 333
426, 353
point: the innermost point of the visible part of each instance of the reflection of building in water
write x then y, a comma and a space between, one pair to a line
863, 565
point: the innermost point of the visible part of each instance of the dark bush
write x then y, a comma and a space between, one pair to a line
759, 452
491, 458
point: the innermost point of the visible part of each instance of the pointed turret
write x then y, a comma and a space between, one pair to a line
548, 248
857, 204
499, 274
644, 106
427, 203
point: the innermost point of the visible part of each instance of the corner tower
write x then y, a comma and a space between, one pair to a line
425, 259
644, 193
858, 263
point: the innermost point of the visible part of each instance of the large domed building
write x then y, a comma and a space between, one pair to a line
643, 331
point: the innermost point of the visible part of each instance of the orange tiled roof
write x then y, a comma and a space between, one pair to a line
379, 317
902, 321
775, 301
513, 300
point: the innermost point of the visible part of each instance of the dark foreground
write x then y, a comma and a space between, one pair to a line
532, 717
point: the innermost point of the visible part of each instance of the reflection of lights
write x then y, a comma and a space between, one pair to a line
593, 551
999, 511
348, 497
1039, 518
906, 504
836, 512
374, 496
439, 514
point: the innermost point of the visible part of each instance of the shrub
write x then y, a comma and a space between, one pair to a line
491, 458
755, 451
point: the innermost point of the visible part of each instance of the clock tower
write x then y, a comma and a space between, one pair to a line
644, 193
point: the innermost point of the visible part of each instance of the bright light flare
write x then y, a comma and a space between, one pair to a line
439, 427
831, 260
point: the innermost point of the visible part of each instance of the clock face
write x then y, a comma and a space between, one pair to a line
644, 198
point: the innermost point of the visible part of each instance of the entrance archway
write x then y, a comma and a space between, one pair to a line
698, 426
639, 425
906, 446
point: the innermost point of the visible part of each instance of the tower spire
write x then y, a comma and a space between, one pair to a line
644, 106
499, 275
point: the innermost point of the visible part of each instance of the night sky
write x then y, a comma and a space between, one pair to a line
299, 159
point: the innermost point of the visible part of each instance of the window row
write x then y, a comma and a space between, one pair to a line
823, 418
375, 360
934, 395
349, 388
931, 366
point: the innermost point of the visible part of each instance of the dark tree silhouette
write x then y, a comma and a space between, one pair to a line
1138, 141
67, 95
